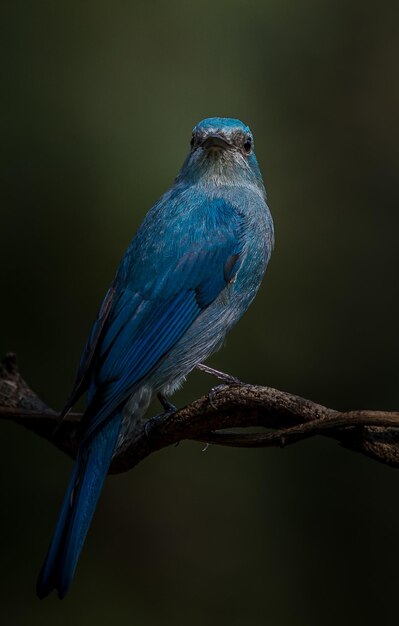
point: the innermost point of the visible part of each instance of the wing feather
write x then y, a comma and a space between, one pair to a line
148, 310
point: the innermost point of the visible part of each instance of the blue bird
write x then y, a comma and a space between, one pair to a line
187, 277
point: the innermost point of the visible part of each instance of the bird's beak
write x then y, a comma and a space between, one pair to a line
215, 141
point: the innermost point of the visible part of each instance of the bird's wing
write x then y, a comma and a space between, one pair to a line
86, 360
142, 319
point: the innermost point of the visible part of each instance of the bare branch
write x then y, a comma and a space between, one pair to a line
292, 418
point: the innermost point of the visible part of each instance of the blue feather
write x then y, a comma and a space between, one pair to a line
147, 325
90, 470
188, 275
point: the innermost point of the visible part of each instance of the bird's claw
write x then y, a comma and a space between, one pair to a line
150, 423
212, 393
228, 381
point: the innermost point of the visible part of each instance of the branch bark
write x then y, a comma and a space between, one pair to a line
291, 418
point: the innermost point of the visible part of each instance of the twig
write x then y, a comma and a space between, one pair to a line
373, 433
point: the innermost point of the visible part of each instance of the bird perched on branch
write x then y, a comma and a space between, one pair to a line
187, 277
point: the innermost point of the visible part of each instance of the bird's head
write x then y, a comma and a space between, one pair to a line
221, 152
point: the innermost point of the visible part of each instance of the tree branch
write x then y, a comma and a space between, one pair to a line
292, 418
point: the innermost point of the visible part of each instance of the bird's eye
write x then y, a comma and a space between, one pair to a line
248, 145
192, 141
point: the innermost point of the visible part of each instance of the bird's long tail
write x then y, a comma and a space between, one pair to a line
91, 467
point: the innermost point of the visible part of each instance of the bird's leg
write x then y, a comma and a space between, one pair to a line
169, 410
227, 379
168, 406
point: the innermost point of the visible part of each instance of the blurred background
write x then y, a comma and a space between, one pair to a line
98, 102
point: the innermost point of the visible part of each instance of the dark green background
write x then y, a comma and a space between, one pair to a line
98, 101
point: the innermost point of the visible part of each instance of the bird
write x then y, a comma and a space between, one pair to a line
189, 274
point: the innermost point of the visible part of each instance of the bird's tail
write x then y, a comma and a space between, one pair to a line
91, 467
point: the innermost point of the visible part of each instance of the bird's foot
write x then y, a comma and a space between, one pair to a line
152, 421
228, 381
169, 410
212, 393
